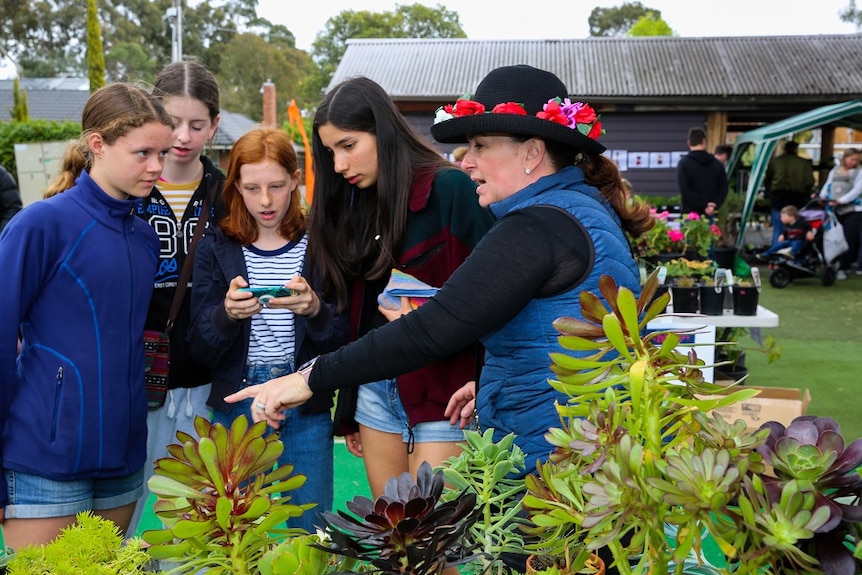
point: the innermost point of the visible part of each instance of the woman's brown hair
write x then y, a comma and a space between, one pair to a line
111, 111
255, 146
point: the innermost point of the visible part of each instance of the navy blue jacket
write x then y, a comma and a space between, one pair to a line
217, 341
77, 279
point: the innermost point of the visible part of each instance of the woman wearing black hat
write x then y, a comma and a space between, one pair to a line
561, 214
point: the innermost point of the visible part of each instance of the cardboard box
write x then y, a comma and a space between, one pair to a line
781, 404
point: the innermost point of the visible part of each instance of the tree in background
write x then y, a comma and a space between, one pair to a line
618, 20
95, 53
20, 112
650, 25
852, 15
248, 61
407, 21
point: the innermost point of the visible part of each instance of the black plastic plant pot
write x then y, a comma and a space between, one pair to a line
685, 299
745, 300
712, 300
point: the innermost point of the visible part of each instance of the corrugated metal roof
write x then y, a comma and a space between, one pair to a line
618, 69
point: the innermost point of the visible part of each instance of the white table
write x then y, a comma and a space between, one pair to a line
764, 318
703, 330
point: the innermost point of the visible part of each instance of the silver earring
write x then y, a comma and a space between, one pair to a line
528, 171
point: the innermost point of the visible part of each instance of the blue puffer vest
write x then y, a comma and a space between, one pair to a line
514, 393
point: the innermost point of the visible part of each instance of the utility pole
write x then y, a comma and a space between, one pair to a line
174, 16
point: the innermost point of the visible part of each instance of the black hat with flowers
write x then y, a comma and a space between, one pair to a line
520, 100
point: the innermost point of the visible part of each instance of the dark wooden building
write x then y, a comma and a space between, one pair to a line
650, 91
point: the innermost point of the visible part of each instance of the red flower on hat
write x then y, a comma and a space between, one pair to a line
553, 113
467, 108
596, 131
585, 114
510, 108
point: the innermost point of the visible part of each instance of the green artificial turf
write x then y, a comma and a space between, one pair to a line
820, 334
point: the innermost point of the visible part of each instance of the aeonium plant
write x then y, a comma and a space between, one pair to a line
220, 498
407, 530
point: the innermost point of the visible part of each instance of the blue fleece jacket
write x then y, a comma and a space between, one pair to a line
77, 279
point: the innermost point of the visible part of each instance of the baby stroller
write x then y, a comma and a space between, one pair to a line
810, 261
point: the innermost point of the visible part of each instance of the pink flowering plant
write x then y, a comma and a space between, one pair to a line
574, 115
699, 233
670, 235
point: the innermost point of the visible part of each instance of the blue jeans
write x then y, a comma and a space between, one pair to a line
34, 497
794, 245
307, 440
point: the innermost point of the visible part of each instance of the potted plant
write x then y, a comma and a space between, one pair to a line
220, 498
494, 472
647, 470
684, 277
746, 295
712, 295
699, 235
306, 555
688, 235
732, 347
408, 529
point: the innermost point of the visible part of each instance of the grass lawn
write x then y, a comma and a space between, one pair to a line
820, 334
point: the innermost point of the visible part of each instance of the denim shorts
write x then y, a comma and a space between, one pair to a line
35, 497
379, 407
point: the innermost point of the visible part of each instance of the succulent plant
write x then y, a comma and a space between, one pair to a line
220, 499
304, 555
92, 545
493, 471
810, 457
407, 529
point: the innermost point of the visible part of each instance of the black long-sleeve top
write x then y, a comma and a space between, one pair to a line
535, 252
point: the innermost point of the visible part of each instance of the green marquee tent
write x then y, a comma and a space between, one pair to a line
766, 138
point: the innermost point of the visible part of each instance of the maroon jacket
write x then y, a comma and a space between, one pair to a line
444, 223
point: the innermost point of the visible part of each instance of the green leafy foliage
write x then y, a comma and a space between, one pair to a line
618, 20
95, 52
91, 546
12, 133
304, 555
491, 470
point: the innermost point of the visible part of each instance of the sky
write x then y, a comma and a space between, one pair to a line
515, 20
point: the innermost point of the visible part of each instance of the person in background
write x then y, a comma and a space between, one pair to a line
796, 232
843, 191
385, 199
561, 214
458, 155
246, 340
701, 177
190, 94
789, 181
78, 277
722, 153
10, 197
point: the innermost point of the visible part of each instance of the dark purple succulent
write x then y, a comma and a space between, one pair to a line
811, 453
407, 529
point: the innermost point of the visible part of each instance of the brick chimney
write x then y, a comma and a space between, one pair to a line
270, 113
